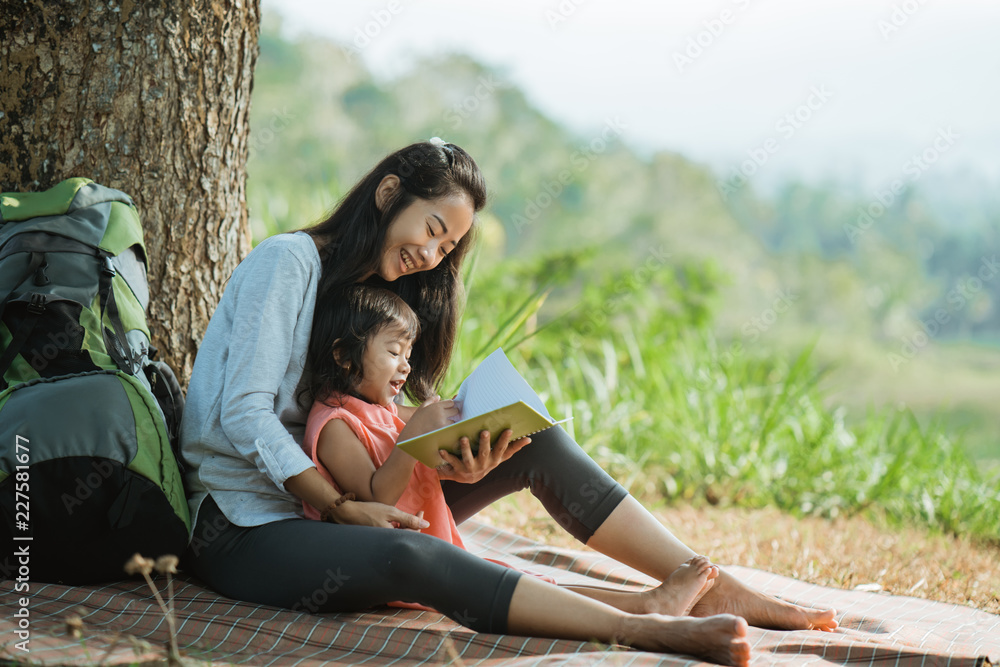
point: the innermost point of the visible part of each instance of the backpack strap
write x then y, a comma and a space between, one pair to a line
38, 243
36, 306
45, 242
34, 264
115, 341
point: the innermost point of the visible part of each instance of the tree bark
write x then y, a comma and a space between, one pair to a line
152, 98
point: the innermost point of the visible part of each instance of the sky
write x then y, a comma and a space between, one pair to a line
844, 90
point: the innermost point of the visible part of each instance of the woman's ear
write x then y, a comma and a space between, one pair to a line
386, 190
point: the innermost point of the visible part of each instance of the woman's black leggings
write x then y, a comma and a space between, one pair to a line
319, 567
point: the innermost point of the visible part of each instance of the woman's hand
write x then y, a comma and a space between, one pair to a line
376, 514
470, 469
431, 415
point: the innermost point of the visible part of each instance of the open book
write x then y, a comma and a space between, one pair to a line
493, 398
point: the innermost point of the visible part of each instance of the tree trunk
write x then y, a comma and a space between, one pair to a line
151, 98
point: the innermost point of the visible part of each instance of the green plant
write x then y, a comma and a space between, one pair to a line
665, 405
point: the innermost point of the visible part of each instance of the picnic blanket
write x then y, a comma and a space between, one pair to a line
122, 624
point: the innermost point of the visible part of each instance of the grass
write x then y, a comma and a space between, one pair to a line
663, 404
846, 553
951, 384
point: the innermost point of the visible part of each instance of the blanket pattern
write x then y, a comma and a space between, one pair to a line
122, 624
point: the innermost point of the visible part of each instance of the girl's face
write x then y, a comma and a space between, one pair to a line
385, 365
423, 234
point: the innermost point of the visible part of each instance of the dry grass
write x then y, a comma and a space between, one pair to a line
843, 553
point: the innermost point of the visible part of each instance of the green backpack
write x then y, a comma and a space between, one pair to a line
89, 469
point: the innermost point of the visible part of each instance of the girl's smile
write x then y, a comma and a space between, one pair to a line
385, 365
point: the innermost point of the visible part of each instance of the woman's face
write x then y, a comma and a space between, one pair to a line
423, 234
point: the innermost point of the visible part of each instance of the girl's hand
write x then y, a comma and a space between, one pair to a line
430, 416
470, 469
357, 513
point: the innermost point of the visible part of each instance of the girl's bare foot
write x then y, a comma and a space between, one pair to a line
720, 639
729, 596
682, 589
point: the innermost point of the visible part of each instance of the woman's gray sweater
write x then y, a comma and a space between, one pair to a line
242, 428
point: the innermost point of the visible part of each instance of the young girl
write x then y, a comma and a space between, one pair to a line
359, 361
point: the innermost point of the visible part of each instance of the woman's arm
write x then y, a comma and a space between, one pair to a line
310, 486
343, 454
262, 331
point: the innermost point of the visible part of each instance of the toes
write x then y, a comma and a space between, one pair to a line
740, 651
701, 563
740, 626
823, 620
829, 626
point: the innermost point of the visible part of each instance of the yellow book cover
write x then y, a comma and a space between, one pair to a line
493, 398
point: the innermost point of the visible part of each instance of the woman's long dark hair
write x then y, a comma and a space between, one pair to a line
342, 330
354, 234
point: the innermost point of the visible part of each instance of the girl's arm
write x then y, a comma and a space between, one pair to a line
311, 487
347, 459
405, 411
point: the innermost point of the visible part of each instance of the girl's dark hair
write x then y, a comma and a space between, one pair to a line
353, 236
342, 328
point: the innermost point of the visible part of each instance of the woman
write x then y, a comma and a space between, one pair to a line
406, 226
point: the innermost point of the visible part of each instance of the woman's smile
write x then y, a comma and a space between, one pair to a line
408, 263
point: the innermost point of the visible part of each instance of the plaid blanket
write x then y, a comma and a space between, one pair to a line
122, 624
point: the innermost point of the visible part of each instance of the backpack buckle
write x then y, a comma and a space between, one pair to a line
36, 304
109, 268
41, 279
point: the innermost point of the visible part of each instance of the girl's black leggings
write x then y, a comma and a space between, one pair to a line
313, 566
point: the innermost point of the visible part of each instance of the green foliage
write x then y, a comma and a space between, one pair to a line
656, 398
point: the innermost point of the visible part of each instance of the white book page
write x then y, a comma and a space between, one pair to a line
496, 384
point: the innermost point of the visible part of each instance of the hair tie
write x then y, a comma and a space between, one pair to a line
438, 142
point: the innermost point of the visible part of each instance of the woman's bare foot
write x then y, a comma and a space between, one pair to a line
730, 596
720, 639
682, 589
